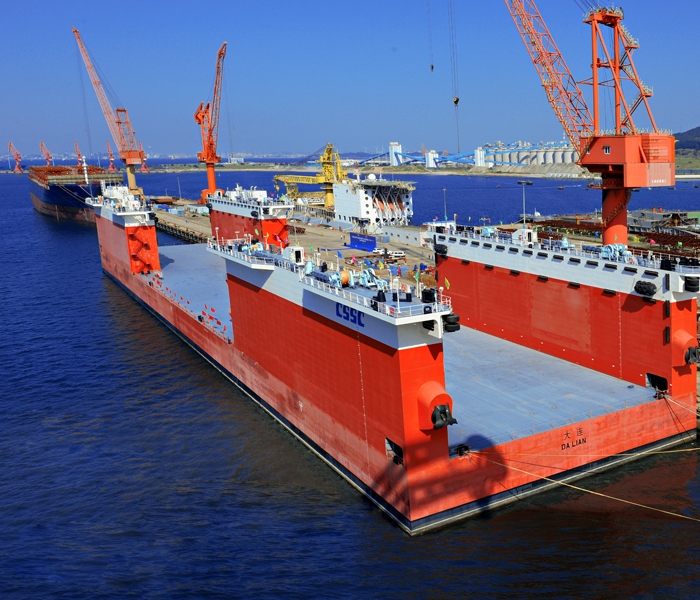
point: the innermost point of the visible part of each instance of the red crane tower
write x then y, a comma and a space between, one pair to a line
18, 159
77, 153
144, 166
47, 155
111, 158
118, 123
625, 157
208, 117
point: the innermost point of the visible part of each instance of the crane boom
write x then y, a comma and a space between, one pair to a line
625, 158
208, 118
78, 155
47, 155
331, 172
18, 158
561, 88
117, 121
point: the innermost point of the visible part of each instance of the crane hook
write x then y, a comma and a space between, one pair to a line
455, 100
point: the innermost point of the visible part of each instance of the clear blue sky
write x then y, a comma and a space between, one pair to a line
301, 74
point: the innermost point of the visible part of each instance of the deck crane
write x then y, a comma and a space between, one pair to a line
111, 158
118, 123
624, 157
78, 155
331, 172
47, 155
18, 158
208, 118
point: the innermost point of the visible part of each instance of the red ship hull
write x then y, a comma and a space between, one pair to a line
345, 394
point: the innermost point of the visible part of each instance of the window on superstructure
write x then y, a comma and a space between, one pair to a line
394, 452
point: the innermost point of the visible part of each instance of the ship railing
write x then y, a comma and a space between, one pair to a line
391, 309
573, 424
254, 202
186, 310
647, 259
249, 258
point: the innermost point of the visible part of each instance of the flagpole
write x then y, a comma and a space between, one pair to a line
444, 201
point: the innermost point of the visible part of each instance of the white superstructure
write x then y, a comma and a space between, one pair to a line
373, 202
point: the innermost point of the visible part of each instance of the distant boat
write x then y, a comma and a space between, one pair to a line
561, 187
635, 189
498, 186
525, 182
696, 186
671, 188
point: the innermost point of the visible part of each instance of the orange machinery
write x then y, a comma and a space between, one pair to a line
625, 157
208, 118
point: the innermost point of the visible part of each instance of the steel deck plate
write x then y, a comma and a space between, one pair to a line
502, 391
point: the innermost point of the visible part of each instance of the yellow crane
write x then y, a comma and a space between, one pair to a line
331, 172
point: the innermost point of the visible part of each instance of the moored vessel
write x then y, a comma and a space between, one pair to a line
61, 191
567, 362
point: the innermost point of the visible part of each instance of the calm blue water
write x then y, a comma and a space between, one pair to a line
131, 469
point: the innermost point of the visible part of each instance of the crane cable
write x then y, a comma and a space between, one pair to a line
231, 128
82, 90
430, 38
453, 61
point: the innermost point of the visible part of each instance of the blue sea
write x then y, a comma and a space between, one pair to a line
130, 468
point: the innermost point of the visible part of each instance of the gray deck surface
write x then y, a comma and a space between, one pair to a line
501, 390
200, 277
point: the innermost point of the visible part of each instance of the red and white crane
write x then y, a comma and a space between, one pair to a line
111, 158
47, 155
18, 158
117, 121
208, 118
624, 157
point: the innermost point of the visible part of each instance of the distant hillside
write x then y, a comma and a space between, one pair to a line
688, 140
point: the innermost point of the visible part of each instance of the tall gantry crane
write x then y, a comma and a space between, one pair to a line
111, 158
331, 172
208, 118
47, 155
18, 158
117, 121
625, 157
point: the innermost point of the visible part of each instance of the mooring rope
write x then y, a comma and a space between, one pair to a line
586, 455
692, 410
595, 493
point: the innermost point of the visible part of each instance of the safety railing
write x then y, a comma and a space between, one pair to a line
156, 286
568, 420
391, 309
648, 259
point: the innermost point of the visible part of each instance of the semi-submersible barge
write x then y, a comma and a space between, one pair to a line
563, 362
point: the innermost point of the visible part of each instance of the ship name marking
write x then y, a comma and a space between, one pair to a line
570, 442
349, 314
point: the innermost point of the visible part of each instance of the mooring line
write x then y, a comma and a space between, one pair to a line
585, 455
595, 493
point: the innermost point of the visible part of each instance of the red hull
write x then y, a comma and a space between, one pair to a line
346, 415
622, 335
232, 225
